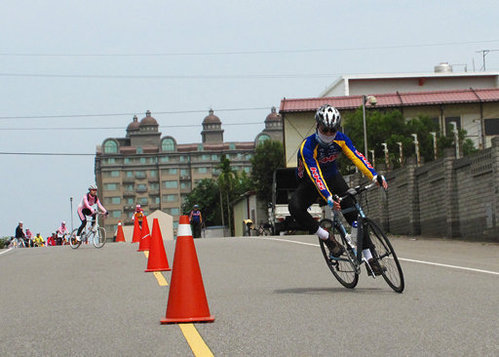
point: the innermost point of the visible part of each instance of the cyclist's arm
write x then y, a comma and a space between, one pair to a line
308, 155
101, 207
356, 157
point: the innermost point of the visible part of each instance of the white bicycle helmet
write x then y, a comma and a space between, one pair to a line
92, 187
328, 116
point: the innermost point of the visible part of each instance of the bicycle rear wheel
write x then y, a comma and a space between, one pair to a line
73, 242
342, 268
99, 238
386, 255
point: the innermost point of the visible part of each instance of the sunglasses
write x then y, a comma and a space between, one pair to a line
326, 130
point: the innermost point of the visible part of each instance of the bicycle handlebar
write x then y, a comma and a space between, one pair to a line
355, 191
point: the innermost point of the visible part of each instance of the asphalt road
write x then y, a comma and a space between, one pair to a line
270, 297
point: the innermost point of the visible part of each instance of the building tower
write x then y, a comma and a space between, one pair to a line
212, 129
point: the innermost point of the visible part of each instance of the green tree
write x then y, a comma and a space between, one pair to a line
269, 156
205, 194
391, 128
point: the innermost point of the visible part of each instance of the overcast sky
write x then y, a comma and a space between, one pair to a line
62, 60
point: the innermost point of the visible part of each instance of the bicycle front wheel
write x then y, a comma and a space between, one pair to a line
342, 268
99, 238
73, 242
386, 255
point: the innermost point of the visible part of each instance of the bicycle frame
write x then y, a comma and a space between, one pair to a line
361, 216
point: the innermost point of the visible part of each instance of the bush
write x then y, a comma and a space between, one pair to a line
4, 242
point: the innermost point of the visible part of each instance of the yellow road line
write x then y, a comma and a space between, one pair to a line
195, 341
160, 278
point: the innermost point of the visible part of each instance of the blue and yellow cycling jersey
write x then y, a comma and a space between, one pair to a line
318, 161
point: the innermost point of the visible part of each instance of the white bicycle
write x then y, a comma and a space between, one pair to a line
91, 233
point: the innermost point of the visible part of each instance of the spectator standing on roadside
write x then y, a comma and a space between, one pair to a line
196, 220
20, 236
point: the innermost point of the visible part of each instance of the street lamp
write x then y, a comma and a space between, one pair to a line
372, 100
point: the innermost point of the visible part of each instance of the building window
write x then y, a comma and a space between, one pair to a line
262, 138
115, 200
232, 146
129, 174
111, 186
130, 201
202, 170
184, 172
174, 211
200, 147
185, 185
139, 150
128, 187
164, 159
170, 198
142, 160
153, 173
170, 184
116, 214
143, 201
168, 145
110, 147
492, 126
154, 186
215, 157
172, 171
115, 174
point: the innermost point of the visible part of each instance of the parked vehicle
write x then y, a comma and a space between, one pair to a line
284, 184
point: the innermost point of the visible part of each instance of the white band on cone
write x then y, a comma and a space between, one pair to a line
184, 230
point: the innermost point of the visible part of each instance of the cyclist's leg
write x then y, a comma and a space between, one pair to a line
338, 186
304, 196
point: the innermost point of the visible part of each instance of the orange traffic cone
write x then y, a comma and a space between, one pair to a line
157, 254
145, 240
187, 298
137, 234
120, 237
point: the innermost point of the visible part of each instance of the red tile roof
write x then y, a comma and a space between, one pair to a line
393, 100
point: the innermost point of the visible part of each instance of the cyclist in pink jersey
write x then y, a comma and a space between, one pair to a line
85, 208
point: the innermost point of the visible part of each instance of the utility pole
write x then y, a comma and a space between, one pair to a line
485, 53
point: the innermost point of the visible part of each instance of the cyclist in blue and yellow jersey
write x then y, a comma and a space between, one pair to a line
318, 175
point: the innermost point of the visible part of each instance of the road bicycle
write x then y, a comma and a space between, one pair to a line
91, 233
347, 268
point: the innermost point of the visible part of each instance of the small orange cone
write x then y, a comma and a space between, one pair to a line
137, 234
120, 237
187, 298
145, 240
157, 254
